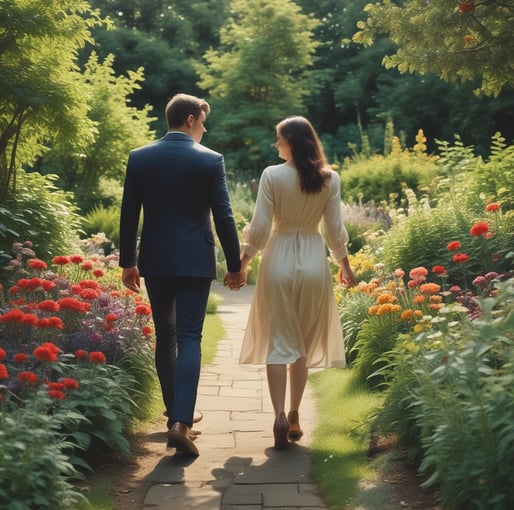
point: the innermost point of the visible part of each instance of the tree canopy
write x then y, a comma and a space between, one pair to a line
40, 90
459, 41
259, 74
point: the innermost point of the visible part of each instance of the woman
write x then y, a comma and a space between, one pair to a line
293, 318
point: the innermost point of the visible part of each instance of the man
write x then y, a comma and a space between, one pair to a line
178, 183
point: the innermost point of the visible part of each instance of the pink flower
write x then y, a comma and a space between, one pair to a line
399, 273
479, 280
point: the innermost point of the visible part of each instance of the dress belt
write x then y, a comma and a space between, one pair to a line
293, 229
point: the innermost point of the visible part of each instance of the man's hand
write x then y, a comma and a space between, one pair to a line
234, 281
130, 278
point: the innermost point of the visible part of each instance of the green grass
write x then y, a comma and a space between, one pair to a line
213, 331
340, 441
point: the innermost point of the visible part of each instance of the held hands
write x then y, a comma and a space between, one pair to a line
234, 281
130, 278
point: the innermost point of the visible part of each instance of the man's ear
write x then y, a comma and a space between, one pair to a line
190, 120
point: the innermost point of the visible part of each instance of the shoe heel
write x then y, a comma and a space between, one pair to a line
280, 430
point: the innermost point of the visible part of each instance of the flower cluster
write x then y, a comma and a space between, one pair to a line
75, 304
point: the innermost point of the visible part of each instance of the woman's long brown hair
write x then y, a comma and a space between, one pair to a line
307, 152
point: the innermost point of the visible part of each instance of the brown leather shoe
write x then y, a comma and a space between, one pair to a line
179, 437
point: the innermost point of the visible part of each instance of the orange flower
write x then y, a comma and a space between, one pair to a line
493, 207
386, 298
418, 299
406, 315
430, 288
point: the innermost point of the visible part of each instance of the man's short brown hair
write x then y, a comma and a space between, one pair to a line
180, 106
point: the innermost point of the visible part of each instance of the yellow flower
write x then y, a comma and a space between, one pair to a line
418, 328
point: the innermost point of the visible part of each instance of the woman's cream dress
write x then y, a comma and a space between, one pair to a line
293, 312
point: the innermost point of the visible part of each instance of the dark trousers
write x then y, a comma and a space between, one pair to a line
179, 304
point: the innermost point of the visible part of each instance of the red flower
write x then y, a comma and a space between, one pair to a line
87, 265
37, 264
56, 386
60, 260
29, 378
55, 322
76, 259
49, 305
31, 284
81, 354
479, 229
143, 309
467, 7
460, 258
21, 357
42, 323
13, 315
4, 374
493, 207
46, 352
441, 270
59, 395
89, 284
3, 354
452, 246
69, 383
70, 303
111, 317
98, 273
89, 294
29, 319
146, 330
47, 285
468, 38
13, 290
97, 357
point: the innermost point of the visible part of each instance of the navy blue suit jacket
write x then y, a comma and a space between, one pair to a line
177, 183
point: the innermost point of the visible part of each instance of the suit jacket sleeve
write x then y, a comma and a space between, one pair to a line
223, 218
129, 219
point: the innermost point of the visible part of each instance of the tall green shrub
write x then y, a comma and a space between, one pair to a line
42, 214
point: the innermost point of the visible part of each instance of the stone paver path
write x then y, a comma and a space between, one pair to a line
237, 468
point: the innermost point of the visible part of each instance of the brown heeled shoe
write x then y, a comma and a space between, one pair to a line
280, 430
295, 432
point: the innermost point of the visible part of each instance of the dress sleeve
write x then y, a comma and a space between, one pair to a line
256, 234
335, 231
